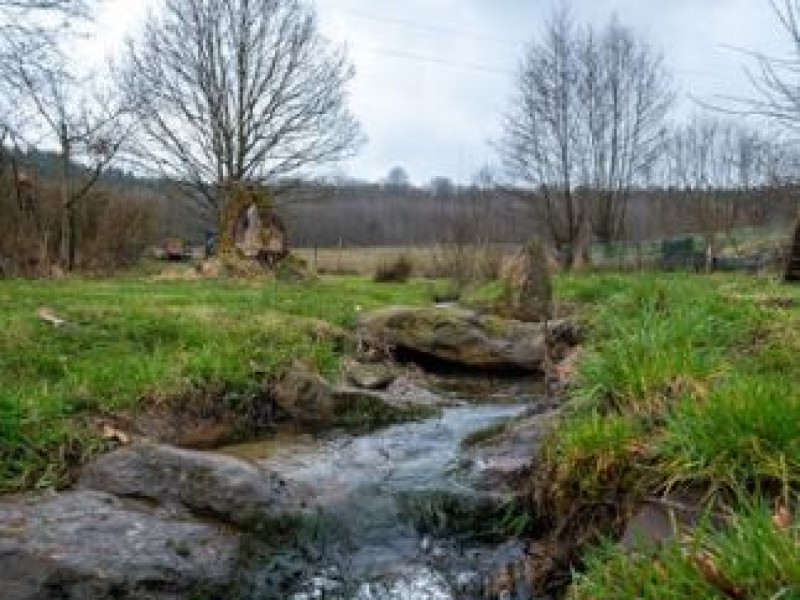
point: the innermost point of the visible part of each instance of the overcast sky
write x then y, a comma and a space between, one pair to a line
435, 76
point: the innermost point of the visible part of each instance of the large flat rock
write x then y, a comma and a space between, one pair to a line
91, 546
467, 339
205, 483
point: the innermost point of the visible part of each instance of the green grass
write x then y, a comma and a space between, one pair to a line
130, 341
751, 559
746, 431
687, 380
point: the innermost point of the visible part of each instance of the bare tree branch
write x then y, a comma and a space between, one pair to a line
235, 90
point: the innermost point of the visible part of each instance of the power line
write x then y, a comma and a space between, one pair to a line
452, 31
421, 58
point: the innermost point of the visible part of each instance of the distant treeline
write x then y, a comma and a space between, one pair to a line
363, 214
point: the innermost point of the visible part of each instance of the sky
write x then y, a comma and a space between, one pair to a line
434, 77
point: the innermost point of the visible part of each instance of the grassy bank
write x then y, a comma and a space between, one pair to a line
128, 342
687, 383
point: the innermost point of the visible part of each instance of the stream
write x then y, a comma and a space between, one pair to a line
403, 514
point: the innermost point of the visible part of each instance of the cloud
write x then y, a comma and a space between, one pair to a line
434, 76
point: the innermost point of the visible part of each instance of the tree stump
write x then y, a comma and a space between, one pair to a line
250, 229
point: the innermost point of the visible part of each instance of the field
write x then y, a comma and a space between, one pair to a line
437, 260
426, 261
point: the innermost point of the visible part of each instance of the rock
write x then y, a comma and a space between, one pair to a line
369, 376
528, 282
306, 397
207, 436
466, 339
208, 484
503, 460
405, 391
91, 546
660, 520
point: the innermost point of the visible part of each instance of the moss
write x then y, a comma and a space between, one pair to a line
363, 413
486, 436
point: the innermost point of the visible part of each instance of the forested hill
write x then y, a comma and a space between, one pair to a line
356, 213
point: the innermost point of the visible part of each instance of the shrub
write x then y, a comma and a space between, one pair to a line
398, 270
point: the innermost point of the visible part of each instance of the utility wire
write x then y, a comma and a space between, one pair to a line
456, 32
452, 31
421, 58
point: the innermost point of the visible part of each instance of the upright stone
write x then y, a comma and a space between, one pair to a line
528, 283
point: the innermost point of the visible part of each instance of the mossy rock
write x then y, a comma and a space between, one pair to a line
465, 339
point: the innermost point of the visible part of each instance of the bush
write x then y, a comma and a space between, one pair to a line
398, 270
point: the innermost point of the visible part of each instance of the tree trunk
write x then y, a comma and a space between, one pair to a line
68, 217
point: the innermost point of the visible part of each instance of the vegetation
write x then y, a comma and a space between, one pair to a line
129, 342
688, 382
751, 558
397, 271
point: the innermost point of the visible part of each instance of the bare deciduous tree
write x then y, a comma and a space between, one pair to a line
776, 80
87, 125
238, 90
585, 127
626, 94
541, 143
718, 165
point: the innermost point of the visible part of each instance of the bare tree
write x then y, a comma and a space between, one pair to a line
397, 180
626, 95
586, 125
718, 166
87, 124
776, 81
30, 27
541, 146
238, 90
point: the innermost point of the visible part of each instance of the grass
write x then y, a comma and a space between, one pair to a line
746, 431
131, 341
750, 559
687, 381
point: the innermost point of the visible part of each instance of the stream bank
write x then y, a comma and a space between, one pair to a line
416, 510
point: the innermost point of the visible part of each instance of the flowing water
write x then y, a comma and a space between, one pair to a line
399, 514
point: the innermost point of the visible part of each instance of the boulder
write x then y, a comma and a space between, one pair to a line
528, 283
209, 484
370, 376
466, 339
306, 397
91, 546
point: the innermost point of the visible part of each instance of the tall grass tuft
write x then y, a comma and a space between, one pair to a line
749, 558
593, 455
745, 431
657, 339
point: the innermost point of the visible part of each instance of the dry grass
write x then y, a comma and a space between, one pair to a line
426, 261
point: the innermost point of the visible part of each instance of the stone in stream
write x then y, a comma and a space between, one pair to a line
466, 339
306, 397
215, 485
370, 376
91, 546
